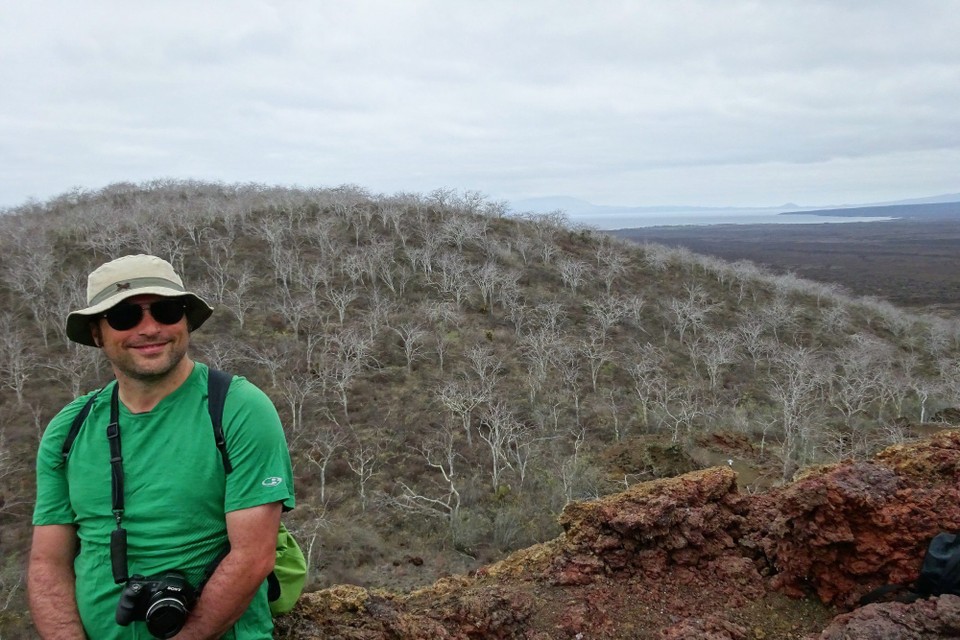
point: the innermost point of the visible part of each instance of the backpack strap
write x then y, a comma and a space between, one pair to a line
76, 424
218, 382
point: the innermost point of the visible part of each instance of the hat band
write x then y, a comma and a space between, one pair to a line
133, 285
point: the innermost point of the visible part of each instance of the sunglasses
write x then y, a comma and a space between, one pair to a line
126, 315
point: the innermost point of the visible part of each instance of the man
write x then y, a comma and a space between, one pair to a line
180, 509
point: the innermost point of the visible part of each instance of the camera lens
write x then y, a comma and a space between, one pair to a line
165, 617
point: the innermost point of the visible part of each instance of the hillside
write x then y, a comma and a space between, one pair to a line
451, 377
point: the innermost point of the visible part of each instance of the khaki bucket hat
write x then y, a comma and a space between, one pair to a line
130, 276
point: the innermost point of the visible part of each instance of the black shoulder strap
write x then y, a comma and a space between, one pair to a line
76, 424
218, 382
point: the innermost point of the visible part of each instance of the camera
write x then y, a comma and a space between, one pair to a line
162, 601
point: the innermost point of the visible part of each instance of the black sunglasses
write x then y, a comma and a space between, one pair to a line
126, 315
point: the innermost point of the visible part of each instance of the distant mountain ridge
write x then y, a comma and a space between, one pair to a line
929, 210
576, 207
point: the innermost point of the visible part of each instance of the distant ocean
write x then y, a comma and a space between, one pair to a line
633, 220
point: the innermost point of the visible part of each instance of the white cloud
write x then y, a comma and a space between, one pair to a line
687, 102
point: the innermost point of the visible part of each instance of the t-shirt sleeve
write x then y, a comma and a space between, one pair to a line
262, 472
53, 493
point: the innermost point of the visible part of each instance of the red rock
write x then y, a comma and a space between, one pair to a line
691, 557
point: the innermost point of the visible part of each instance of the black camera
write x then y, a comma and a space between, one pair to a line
162, 601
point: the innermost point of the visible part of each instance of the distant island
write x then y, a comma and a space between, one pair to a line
930, 211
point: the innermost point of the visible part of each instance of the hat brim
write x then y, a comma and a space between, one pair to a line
78, 322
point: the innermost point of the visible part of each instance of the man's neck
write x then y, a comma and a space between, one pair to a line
140, 395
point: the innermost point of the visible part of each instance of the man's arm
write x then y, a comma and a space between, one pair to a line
51, 582
253, 547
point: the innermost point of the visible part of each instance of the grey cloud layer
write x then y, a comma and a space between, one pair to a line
687, 102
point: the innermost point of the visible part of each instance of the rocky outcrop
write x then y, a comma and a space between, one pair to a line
691, 557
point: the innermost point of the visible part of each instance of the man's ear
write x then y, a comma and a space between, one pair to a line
95, 335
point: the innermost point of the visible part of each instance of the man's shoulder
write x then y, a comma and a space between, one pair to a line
241, 391
61, 424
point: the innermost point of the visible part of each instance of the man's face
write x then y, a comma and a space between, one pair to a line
150, 350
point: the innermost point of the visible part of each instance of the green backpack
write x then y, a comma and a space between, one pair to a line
285, 583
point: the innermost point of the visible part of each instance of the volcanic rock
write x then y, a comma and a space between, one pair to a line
691, 557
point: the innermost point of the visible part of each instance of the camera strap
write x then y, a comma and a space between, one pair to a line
118, 537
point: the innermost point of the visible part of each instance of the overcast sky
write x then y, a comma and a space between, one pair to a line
675, 102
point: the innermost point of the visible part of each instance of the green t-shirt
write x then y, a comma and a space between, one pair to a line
175, 491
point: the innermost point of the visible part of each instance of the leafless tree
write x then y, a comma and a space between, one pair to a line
524, 246
380, 310
341, 298
615, 404
678, 406
452, 277
220, 254
486, 366
460, 398
442, 313
284, 249
487, 278
440, 454
796, 390
351, 355
571, 272
411, 339
75, 367
297, 386
716, 350
656, 257
353, 265
646, 370
325, 442
31, 277
364, 461
321, 233
70, 295
17, 361
924, 388
273, 357
239, 297
751, 329
779, 315
607, 312
523, 448
538, 348
857, 382
567, 362
395, 276
440, 348
11, 467
294, 308
613, 263
317, 277
690, 312
499, 429
594, 350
